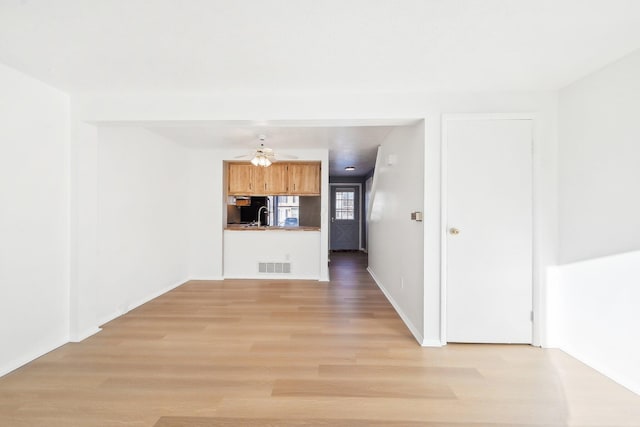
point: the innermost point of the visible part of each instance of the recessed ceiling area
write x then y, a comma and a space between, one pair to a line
349, 144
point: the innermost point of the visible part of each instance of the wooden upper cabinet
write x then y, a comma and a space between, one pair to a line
244, 179
240, 178
275, 179
304, 178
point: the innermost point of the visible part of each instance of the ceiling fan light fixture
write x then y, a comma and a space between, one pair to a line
261, 160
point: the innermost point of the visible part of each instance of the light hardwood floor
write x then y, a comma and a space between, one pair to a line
251, 353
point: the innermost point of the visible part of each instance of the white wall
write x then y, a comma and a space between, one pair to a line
592, 304
599, 162
396, 248
594, 316
142, 219
336, 107
34, 219
84, 272
205, 211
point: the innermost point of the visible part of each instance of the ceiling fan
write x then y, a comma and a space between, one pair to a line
263, 156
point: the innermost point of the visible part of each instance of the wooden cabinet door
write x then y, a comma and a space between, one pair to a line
244, 179
304, 178
258, 186
241, 178
275, 179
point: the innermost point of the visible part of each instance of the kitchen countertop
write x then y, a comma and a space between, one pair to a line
245, 227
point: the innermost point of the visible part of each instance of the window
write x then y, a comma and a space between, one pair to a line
345, 204
285, 210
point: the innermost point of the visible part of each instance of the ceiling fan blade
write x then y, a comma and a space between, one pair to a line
267, 152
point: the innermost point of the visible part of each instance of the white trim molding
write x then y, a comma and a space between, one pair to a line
412, 328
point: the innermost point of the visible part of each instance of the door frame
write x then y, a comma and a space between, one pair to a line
536, 302
347, 184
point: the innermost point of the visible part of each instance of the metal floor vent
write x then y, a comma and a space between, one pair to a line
274, 267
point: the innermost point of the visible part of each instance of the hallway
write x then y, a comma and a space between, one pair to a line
247, 352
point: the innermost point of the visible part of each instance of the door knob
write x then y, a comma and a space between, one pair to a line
454, 231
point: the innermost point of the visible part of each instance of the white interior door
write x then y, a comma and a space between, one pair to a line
489, 231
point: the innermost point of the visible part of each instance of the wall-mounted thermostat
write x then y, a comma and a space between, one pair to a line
416, 216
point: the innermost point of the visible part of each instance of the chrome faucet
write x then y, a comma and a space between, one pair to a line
260, 211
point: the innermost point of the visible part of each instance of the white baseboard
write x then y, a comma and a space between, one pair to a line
591, 314
268, 276
607, 371
80, 336
114, 315
208, 278
109, 317
432, 343
41, 351
412, 328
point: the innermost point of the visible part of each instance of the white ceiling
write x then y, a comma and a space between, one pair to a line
347, 145
312, 46
304, 46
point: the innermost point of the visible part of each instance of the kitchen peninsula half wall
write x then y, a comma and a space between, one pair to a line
273, 221
272, 254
